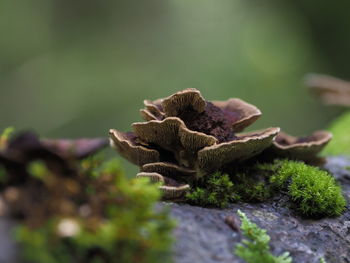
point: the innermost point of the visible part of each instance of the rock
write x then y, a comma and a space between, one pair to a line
8, 248
203, 236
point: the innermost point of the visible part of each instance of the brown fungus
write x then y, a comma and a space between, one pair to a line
126, 145
169, 170
155, 108
58, 154
182, 101
212, 121
170, 188
302, 148
241, 113
78, 148
186, 137
147, 115
163, 133
246, 146
194, 141
331, 90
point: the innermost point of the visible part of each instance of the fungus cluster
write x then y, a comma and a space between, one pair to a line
184, 137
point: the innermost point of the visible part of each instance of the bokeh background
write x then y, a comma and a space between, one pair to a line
75, 68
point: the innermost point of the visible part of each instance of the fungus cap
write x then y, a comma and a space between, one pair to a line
154, 177
78, 148
172, 134
163, 133
154, 106
130, 150
168, 169
170, 188
300, 147
193, 140
242, 113
331, 90
147, 115
244, 147
182, 100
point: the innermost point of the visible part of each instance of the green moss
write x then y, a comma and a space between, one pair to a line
126, 228
282, 171
215, 190
38, 169
256, 247
251, 189
322, 260
340, 143
314, 191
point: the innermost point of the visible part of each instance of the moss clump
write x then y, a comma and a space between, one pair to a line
314, 191
109, 219
215, 190
256, 247
340, 143
249, 187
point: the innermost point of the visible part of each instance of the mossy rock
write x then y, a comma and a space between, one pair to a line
203, 236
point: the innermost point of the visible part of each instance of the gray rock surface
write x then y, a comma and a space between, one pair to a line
203, 236
8, 248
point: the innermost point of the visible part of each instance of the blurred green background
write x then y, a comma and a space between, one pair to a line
75, 68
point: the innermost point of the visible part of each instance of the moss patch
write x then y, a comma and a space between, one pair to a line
251, 186
313, 192
215, 190
316, 193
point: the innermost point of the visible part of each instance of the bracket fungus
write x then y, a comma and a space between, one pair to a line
185, 137
302, 148
58, 154
331, 90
